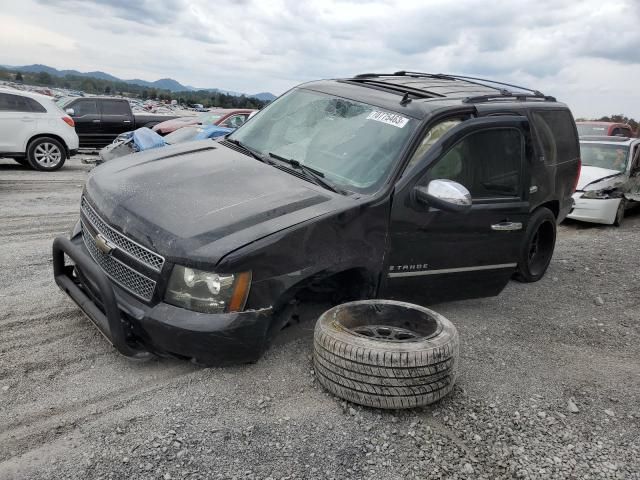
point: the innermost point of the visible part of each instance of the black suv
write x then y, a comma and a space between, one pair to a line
408, 186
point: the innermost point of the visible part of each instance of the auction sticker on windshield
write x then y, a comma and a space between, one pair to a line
388, 118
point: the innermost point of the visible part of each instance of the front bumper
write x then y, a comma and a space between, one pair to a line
135, 329
594, 210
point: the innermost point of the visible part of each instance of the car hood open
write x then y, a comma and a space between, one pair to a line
183, 198
591, 174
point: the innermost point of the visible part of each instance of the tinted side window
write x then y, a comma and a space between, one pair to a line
84, 107
35, 106
115, 108
556, 135
488, 163
13, 103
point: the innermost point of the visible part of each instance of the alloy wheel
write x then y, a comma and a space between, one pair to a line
47, 155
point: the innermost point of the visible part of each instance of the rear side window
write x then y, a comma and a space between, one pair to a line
35, 106
115, 108
556, 135
84, 107
17, 103
488, 163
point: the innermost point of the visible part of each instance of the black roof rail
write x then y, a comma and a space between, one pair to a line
372, 80
507, 95
475, 80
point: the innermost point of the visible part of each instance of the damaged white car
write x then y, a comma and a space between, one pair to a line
609, 181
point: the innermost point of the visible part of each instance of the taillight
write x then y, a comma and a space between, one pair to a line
575, 183
69, 121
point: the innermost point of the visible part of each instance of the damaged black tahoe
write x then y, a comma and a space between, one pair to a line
406, 186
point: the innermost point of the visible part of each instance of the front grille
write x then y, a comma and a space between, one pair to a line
123, 275
126, 245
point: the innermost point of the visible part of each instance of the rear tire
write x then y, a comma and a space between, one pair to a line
537, 247
620, 212
46, 154
385, 354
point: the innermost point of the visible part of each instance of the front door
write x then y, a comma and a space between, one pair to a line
437, 254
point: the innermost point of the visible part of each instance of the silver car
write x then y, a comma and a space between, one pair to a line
609, 181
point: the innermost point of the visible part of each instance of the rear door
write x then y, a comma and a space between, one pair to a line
18, 122
437, 255
558, 158
116, 118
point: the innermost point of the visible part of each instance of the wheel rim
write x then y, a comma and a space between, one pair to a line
386, 332
541, 248
47, 154
387, 321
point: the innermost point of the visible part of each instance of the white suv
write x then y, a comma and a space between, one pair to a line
34, 130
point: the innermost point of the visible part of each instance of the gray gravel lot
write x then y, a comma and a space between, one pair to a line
70, 407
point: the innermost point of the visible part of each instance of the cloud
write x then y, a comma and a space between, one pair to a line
274, 44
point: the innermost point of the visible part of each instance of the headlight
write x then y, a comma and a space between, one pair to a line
597, 194
207, 292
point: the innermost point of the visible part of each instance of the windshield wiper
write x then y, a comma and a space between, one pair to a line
314, 175
253, 153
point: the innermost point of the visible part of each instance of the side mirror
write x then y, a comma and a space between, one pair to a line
70, 111
444, 195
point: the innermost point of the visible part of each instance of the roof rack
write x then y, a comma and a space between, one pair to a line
501, 92
475, 80
507, 95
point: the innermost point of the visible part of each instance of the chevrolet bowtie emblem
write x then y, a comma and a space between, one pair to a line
104, 245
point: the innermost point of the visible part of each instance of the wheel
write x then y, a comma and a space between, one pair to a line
620, 212
385, 354
23, 162
537, 247
46, 154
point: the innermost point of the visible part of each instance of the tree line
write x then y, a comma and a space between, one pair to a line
98, 86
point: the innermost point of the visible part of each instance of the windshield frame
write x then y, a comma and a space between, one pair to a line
397, 153
611, 146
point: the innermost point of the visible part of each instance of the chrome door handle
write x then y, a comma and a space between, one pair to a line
127, 121
506, 226
96, 121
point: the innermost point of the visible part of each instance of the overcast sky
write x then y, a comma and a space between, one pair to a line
585, 52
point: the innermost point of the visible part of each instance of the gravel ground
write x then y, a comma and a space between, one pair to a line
549, 383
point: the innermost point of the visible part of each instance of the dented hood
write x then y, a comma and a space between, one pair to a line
592, 174
201, 199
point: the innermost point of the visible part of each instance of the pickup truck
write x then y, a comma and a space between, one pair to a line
99, 120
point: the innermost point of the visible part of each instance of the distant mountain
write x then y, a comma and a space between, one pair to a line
162, 84
265, 96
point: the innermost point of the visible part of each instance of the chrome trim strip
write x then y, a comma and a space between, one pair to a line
151, 252
419, 273
86, 233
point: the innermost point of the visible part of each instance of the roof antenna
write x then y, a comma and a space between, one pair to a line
405, 99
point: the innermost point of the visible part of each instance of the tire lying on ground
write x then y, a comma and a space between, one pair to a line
385, 354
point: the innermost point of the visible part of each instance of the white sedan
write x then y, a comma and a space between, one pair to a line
609, 181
